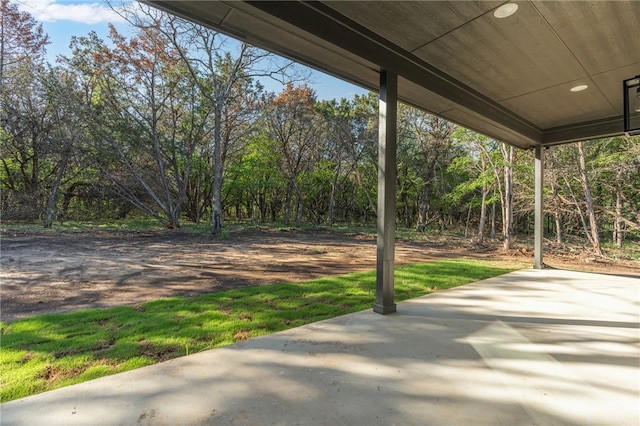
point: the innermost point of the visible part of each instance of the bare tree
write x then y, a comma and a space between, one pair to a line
147, 116
295, 126
223, 74
22, 40
508, 230
484, 193
594, 235
29, 147
68, 133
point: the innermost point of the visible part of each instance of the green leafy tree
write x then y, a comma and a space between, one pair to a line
433, 149
256, 180
347, 134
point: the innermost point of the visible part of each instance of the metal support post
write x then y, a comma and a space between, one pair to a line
539, 209
387, 166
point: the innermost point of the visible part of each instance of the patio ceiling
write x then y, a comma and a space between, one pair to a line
507, 78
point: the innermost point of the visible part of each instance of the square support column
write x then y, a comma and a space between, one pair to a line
538, 231
387, 170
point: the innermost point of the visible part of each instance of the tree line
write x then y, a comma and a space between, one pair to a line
171, 121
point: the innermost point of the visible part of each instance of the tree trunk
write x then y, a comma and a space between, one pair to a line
466, 227
262, 207
300, 211
483, 217
68, 196
216, 196
507, 219
493, 221
49, 214
584, 179
174, 218
334, 195
558, 219
423, 209
366, 192
483, 202
618, 231
288, 201
557, 216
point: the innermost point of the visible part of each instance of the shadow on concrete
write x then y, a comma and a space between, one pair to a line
530, 347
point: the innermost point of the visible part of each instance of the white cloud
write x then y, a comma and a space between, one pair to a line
75, 11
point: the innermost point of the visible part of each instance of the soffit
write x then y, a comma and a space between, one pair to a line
507, 78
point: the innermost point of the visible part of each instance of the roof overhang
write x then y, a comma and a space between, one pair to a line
506, 78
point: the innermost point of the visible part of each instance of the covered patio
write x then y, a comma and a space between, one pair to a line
537, 346
530, 347
532, 74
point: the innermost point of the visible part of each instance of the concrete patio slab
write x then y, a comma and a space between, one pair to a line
534, 347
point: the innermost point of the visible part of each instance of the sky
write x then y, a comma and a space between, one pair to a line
62, 19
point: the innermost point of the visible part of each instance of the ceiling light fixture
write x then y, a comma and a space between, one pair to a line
505, 10
631, 98
579, 88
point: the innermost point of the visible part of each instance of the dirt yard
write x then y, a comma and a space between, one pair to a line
44, 273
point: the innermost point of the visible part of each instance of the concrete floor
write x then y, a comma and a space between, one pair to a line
532, 347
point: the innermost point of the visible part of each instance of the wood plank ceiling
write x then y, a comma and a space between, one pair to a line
507, 78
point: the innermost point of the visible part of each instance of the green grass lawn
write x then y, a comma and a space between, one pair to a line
50, 351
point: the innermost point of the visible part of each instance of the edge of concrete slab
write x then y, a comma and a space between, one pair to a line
529, 347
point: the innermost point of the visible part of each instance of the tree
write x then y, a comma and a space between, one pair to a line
146, 118
22, 41
42, 134
255, 178
508, 229
68, 135
474, 172
347, 134
362, 150
295, 126
26, 139
225, 82
611, 169
432, 138
618, 165
594, 235
552, 176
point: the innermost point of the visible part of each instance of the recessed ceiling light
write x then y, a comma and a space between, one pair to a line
579, 88
505, 10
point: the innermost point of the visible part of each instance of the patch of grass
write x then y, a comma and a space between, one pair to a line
50, 351
225, 235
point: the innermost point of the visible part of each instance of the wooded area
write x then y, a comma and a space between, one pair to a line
173, 123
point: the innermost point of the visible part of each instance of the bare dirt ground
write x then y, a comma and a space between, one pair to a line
44, 273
